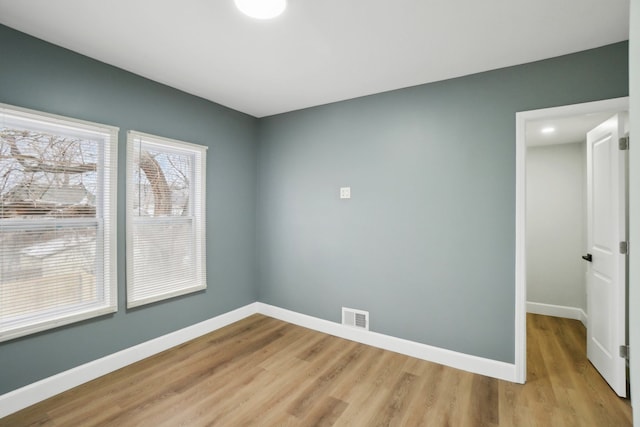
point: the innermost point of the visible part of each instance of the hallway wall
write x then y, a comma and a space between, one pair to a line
556, 225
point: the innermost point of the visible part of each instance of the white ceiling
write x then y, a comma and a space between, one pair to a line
318, 51
566, 129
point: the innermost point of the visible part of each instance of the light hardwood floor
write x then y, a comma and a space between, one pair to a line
264, 372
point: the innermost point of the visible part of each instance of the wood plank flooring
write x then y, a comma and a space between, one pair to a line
264, 372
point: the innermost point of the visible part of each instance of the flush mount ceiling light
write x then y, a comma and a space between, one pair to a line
548, 130
261, 9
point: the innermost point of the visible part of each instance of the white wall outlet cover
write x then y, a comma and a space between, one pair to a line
345, 192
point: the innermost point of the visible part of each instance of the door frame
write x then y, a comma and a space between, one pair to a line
609, 105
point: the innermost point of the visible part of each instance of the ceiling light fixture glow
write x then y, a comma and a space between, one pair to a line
548, 130
261, 9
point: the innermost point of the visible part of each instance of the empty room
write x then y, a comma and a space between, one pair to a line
306, 213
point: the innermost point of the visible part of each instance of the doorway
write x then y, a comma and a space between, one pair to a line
523, 121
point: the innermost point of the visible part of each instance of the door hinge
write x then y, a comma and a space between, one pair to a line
623, 143
624, 248
624, 351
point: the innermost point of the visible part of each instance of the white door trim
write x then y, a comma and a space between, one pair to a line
610, 105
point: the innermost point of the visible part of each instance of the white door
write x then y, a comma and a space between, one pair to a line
606, 273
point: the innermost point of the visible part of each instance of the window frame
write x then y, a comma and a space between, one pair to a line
197, 197
105, 222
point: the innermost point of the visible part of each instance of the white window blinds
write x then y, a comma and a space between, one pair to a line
57, 221
165, 218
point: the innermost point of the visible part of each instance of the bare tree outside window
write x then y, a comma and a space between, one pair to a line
57, 219
162, 183
46, 175
48, 189
165, 250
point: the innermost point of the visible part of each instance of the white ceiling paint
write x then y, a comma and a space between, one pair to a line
567, 129
318, 51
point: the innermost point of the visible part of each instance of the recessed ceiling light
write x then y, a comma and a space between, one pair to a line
548, 130
261, 9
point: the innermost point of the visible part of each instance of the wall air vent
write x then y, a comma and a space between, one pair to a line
355, 318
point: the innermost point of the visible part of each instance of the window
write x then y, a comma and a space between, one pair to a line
165, 218
57, 221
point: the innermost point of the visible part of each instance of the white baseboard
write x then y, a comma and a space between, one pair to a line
33, 393
557, 311
465, 362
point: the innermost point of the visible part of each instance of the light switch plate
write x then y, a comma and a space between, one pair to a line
345, 192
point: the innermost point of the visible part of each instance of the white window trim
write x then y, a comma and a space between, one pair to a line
199, 192
110, 236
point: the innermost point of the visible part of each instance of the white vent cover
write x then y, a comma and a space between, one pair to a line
355, 318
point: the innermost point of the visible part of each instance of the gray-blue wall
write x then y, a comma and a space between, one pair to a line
427, 242
37, 75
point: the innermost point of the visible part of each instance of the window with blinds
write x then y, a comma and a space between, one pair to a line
165, 218
57, 221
